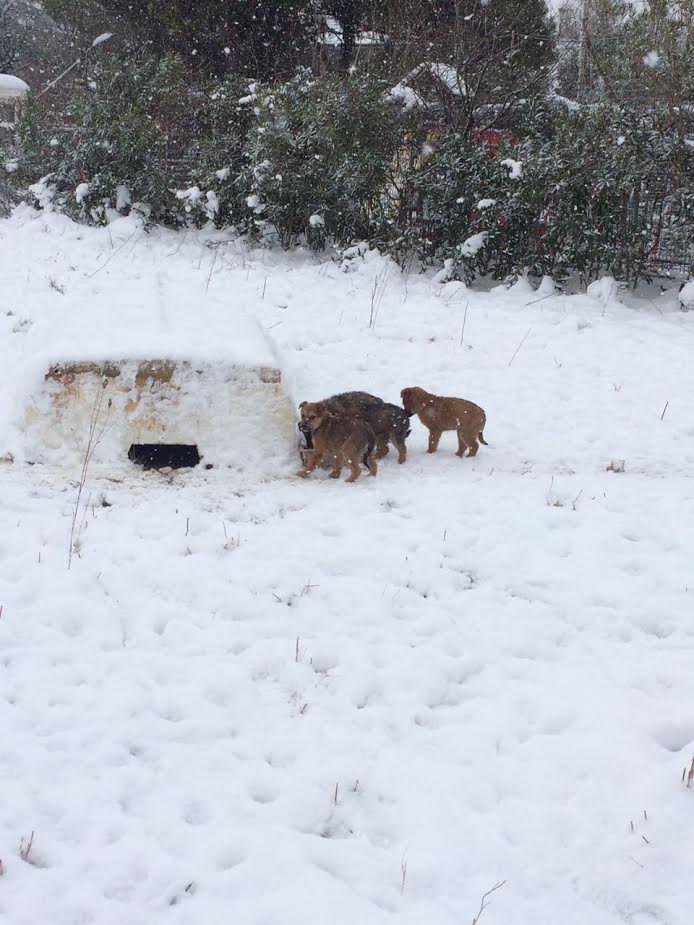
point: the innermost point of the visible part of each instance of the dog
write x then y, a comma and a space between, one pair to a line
346, 404
391, 425
342, 440
439, 414
389, 422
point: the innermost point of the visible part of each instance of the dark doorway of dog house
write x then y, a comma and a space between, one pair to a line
163, 455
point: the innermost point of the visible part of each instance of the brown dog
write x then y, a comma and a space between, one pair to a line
439, 414
389, 422
346, 404
341, 440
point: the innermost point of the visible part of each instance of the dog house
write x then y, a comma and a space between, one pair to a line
218, 402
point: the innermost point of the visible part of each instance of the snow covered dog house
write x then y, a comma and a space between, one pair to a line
209, 392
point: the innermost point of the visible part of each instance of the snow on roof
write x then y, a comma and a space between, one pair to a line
12, 87
332, 35
444, 74
145, 329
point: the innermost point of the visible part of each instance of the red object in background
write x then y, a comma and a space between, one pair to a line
493, 138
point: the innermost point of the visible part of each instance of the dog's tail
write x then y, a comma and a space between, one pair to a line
482, 440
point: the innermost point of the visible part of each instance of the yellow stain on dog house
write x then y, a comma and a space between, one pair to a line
212, 405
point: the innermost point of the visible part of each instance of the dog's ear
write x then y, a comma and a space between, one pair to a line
302, 405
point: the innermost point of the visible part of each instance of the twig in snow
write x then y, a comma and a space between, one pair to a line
519, 346
664, 410
25, 848
403, 870
112, 255
262, 298
337, 785
209, 275
95, 436
462, 333
483, 903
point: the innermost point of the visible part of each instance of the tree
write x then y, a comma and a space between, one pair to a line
495, 53
13, 34
258, 38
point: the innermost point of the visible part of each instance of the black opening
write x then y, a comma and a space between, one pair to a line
160, 455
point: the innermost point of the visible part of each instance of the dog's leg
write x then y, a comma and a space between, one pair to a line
353, 463
314, 460
338, 463
382, 449
372, 465
401, 448
469, 442
434, 437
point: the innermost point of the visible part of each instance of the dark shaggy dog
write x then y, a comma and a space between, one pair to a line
389, 422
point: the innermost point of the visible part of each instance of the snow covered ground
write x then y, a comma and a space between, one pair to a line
283, 701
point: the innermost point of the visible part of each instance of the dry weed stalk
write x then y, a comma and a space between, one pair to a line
95, 436
25, 848
483, 901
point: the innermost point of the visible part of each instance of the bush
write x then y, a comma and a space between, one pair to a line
109, 153
221, 129
318, 158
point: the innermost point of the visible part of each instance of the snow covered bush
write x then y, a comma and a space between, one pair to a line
476, 206
110, 153
223, 121
318, 157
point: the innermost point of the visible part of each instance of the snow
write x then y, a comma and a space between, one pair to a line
483, 203
686, 295
473, 244
652, 59
604, 289
123, 200
446, 75
254, 202
316, 221
81, 192
281, 701
406, 96
332, 34
12, 87
515, 167
100, 39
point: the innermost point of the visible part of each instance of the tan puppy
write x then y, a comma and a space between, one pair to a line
439, 414
340, 440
